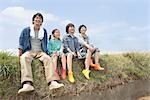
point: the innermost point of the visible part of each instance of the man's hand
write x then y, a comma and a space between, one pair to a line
20, 52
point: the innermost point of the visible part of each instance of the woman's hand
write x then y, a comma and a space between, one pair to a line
91, 49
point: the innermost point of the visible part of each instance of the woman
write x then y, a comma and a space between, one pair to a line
87, 51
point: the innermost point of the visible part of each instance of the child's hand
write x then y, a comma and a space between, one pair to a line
79, 55
73, 53
54, 54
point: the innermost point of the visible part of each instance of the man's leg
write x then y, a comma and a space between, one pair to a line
26, 71
49, 70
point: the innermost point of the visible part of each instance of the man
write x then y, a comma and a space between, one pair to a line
33, 45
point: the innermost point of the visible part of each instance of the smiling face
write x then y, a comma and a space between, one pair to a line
37, 21
83, 30
57, 34
71, 30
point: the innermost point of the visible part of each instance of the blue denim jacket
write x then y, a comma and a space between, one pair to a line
70, 42
25, 42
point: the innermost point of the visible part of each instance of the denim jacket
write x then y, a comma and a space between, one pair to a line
70, 42
25, 42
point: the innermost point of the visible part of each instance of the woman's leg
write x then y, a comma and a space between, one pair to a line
97, 64
86, 71
96, 57
87, 60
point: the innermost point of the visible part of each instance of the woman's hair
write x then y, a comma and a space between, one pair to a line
37, 14
69, 25
53, 31
81, 27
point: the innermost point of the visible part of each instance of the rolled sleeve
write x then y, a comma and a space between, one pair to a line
21, 40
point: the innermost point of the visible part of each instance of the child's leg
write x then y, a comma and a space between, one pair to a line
63, 61
69, 66
63, 69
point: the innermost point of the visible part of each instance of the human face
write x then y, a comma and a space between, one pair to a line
37, 22
57, 34
71, 29
83, 30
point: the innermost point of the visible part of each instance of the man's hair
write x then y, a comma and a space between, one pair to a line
69, 25
81, 27
37, 14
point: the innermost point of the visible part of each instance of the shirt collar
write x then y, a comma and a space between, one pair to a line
69, 35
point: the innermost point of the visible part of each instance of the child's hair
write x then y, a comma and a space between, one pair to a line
53, 31
69, 25
81, 27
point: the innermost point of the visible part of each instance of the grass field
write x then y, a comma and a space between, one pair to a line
120, 69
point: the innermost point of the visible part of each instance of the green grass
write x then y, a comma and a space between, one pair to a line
119, 67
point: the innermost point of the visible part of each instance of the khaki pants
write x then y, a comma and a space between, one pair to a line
26, 71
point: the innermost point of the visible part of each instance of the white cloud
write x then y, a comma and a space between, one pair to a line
139, 28
120, 24
65, 22
97, 29
17, 15
129, 39
13, 19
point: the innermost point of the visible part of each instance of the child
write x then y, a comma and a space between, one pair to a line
55, 50
71, 49
86, 51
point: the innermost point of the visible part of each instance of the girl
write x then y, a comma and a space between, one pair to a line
86, 51
55, 50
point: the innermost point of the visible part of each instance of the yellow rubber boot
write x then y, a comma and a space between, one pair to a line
86, 73
70, 77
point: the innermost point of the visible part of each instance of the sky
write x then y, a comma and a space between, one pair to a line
112, 25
